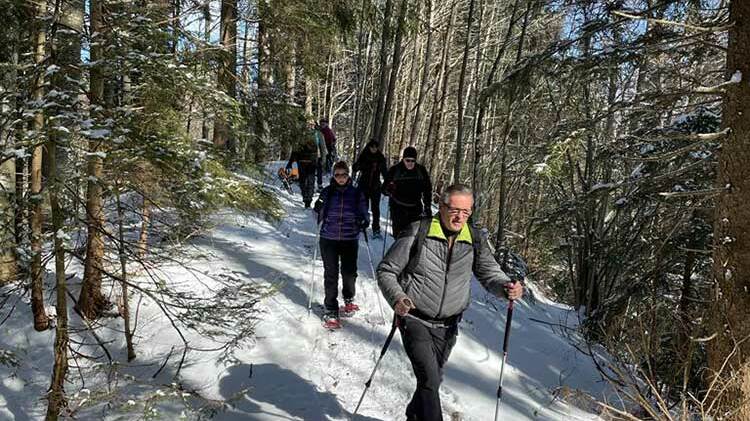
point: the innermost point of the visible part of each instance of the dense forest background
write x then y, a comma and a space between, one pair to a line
606, 140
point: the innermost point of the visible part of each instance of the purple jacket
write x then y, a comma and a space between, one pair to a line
341, 208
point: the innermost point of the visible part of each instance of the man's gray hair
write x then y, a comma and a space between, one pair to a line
454, 189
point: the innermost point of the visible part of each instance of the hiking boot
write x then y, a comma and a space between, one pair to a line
331, 321
376, 235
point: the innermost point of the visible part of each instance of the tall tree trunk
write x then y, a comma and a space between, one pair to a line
425, 74
395, 65
206, 10
91, 301
479, 125
500, 248
730, 317
460, 97
56, 397
41, 322
227, 75
8, 88
359, 79
440, 94
383, 78
125, 310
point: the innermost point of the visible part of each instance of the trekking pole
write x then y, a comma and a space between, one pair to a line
387, 220
508, 319
382, 353
374, 276
311, 289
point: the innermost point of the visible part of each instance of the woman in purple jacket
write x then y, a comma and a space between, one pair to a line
342, 209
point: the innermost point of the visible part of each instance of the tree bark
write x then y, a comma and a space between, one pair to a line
8, 88
56, 397
425, 74
227, 75
91, 301
460, 97
730, 317
383, 78
41, 321
395, 66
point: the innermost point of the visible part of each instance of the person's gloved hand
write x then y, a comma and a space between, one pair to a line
403, 305
363, 223
513, 290
427, 213
390, 188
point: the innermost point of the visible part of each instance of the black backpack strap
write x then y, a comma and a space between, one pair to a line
476, 242
416, 247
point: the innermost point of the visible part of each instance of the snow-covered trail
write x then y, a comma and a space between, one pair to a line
302, 371
294, 369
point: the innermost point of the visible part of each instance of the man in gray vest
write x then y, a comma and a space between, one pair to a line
426, 278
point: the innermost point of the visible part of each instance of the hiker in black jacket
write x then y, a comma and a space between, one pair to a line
430, 301
371, 166
409, 189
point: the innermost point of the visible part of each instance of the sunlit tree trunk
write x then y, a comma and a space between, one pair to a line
91, 301
39, 37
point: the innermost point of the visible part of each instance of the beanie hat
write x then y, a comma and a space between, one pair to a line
373, 143
410, 152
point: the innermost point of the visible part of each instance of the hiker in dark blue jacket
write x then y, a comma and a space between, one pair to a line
342, 209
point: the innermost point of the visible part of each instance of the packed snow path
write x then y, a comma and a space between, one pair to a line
294, 369
302, 371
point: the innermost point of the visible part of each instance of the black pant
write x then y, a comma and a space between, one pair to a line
331, 251
374, 198
306, 180
330, 157
319, 172
402, 216
428, 349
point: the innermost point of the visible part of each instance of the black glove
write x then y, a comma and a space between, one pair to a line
427, 213
363, 224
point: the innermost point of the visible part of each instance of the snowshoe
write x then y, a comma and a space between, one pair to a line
331, 322
349, 309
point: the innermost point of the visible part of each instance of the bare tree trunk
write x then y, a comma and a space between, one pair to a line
383, 79
227, 75
395, 65
440, 94
479, 125
91, 301
206, 10
425, 74
460, 97
41, 321
125, 310
56, 397
145, 222
730, 317
8, 242
359, 79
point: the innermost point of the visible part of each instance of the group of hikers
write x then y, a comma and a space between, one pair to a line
425, 276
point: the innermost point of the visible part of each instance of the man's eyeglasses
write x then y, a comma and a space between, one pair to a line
341, 174
457, 211
410, 160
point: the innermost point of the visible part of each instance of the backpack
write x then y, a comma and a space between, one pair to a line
416, 247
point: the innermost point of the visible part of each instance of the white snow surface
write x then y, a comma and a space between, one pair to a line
295, 369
